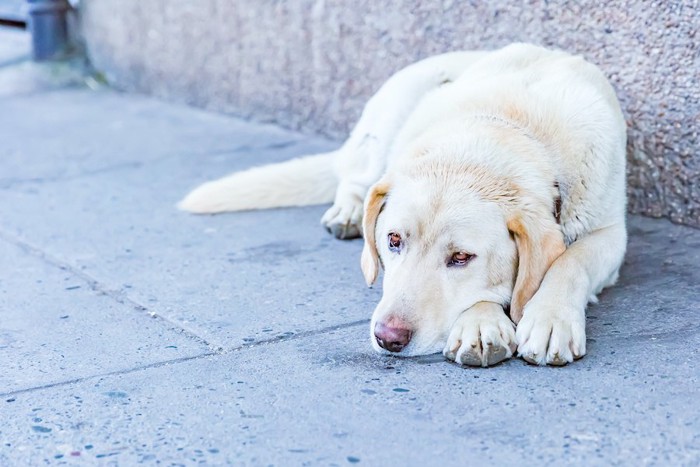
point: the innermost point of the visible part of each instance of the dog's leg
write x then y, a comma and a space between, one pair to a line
553, 328
362, 159
482, 336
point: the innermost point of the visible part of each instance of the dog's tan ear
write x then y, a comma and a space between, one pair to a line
540, 242
373, 206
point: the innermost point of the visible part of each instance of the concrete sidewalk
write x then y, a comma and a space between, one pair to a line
133, 333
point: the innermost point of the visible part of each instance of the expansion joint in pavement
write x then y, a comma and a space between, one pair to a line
10, 394
117, 295
301, 335
9, 183
121, 297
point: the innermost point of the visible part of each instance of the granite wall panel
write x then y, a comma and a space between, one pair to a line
311, 64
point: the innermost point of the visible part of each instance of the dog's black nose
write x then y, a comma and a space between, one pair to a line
392, 339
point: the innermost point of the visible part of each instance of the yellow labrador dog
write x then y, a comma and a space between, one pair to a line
482, 182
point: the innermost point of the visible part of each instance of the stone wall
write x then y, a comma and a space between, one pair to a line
311, 64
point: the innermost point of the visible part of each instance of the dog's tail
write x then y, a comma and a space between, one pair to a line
298, 182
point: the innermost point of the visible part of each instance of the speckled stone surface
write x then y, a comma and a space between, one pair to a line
311, 64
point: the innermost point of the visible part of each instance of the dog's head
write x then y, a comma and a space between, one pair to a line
449, 236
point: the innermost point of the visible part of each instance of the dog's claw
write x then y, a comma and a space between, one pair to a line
345, 222
344, 231
551, 335
481, 336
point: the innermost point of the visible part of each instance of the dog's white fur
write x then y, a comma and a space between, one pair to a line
468, 152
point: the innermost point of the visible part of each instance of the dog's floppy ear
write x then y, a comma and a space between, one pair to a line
373, 206
540, 242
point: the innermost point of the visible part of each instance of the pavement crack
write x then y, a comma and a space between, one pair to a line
247, 148
106, 375
95, 285
300, 335
8, 183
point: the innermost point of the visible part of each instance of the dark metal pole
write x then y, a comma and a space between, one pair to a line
49, 28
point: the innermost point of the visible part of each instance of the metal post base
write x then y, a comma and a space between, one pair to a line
49, 28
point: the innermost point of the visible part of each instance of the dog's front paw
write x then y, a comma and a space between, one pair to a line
344, 220
482, 336
551, 336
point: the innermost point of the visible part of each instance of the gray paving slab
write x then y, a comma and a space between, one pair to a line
328, 400
55, 327
658, 293
232, 279
68, 133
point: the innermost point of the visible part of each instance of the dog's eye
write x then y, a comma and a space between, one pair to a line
394, 242
460, 259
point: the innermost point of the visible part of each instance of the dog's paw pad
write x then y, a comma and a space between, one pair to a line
551, 337
345, 231
481, 336
344, 222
